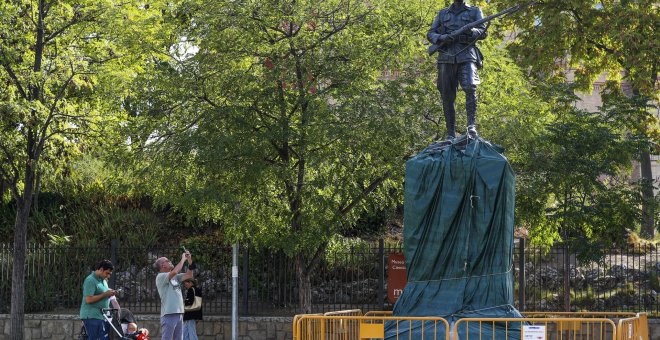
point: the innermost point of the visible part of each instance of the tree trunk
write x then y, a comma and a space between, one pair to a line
566, 278
18, 272
647, 228
23, 205
37, 189
304, 286
648, 199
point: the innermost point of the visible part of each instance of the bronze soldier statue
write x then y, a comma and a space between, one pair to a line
458, 60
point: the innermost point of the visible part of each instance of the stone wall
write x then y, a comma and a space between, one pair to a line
60, 327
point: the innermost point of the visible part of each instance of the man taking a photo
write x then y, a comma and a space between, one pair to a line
168, 282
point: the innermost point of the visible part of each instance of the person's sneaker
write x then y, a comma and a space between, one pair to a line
472, 131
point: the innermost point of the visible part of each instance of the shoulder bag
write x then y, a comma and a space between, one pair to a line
196, 305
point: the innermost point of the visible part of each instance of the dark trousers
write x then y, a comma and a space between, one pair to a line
449, 77
96, 329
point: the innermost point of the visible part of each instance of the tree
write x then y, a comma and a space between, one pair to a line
274, 126
58, 61
284, 120
574, 188
592, 37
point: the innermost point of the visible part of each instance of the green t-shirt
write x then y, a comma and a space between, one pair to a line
93, 285
171, 299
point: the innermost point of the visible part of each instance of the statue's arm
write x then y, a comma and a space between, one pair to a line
480, 30
434, 35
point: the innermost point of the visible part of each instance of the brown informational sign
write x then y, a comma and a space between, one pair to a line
396, 276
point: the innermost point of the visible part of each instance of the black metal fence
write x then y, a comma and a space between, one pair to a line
624, 280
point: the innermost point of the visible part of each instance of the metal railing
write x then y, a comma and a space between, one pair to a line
345, 327
550, 328
624, 280
378, 325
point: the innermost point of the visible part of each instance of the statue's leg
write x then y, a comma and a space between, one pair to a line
471, 106
469, 80
447, 85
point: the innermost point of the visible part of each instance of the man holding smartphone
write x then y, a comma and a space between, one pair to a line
168, 282
96, 296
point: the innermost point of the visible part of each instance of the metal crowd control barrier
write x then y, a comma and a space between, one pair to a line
379, 313
634, 328
606, 315
315, 326
351, 324
348, 312
630, 325
536, 328
297, 335
351, 327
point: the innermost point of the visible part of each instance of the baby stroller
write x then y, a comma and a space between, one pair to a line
119, 318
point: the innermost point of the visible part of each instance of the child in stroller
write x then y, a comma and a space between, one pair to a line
134, 333
123, 326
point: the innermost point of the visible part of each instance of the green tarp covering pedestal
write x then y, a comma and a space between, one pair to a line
458, 238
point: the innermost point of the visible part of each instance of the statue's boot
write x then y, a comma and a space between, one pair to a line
450, 119
471, 108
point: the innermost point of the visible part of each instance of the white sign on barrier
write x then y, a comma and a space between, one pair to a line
630, 330
533, 332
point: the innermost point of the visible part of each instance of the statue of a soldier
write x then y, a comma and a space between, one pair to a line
458, 61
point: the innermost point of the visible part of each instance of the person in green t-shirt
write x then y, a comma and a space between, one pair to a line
168, 282
95, 297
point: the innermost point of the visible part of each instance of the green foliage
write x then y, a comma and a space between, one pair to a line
280, 122
62, 66
59, 239
393, 244
573, 182
590, 37
369, 224
208, 251
340, 250
78, 220
303, 134
54, 78
637, 113
540, 293
654, 280
585, 298
562, 41
287, 143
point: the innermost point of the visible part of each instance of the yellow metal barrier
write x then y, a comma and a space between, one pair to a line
296, 332
349, 312
352, 325
607, 315
541, 328
634, 328
317, 327
379, 313
644, 326
630, 325
344, 329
